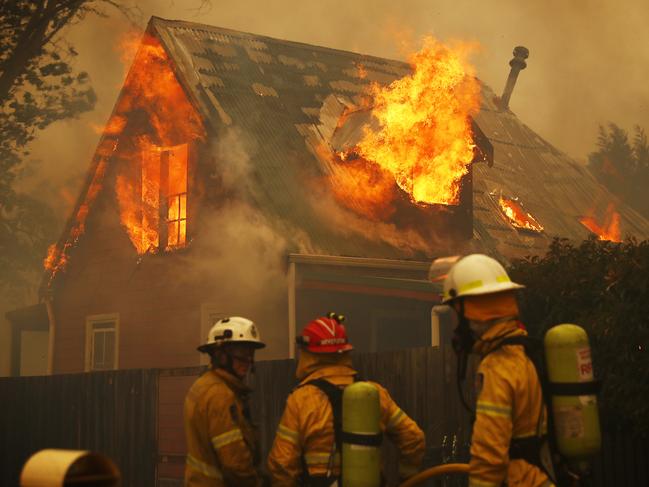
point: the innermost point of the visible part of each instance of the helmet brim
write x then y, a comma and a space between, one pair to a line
495, 288
208, 347
330, 348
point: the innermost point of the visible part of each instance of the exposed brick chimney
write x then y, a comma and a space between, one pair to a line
517, 63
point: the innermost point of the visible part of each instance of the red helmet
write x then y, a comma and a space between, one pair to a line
325, 335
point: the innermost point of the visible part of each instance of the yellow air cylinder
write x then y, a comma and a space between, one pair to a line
569, 367
361, 436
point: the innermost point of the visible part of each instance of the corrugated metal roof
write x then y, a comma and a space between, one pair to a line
272, 89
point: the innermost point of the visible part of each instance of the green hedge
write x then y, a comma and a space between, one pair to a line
604, 287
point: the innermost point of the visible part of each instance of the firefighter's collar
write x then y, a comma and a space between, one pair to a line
495, 334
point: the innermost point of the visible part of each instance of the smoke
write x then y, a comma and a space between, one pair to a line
587, 64
240, 255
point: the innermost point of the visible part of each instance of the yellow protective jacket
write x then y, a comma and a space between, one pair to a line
221, 444
510, 405
306, 428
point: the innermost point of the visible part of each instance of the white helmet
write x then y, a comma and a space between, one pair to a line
232, 330
474, 275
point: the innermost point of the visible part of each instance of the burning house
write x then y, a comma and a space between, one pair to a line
243, 175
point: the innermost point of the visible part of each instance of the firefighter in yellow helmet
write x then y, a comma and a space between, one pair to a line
221, 445
508, 446
304, 451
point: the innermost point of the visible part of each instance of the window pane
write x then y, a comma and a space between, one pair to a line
173, 234
183, 206
177, 170
98, 350
182, 237
109, 350
173, 209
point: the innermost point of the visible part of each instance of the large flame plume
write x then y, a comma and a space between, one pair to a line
425, 140
606, 229
148, 136
160, 153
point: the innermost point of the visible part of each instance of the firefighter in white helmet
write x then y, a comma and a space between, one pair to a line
221, 445
508, 441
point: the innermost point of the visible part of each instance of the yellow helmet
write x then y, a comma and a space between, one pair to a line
474, 275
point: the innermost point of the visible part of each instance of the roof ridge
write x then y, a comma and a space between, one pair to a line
264, 38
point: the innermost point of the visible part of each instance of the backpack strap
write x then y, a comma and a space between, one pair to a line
530, 449
335, 396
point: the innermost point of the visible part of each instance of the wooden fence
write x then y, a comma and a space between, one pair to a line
135, 417
111, 412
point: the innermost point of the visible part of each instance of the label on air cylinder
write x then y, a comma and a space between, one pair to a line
569, 421
584, 364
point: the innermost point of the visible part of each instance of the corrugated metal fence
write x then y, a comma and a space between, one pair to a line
135, 416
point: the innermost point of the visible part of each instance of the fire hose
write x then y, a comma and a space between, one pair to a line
436, 472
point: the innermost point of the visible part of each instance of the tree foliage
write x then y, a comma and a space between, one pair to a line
38, 86
621, 163
603, 287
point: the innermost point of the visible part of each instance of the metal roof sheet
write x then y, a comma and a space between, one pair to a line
274, 90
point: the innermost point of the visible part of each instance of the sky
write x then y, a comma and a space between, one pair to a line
588, 64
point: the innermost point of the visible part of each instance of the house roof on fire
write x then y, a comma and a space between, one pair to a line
279, 93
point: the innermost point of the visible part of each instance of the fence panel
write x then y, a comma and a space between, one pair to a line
110, 412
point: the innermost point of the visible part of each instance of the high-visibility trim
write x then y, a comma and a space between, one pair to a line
530, 434
288, 434
406, 471
476, 482
208, 470
226, 438
470, 285
479, 283
493, 409
396, 418
317, 458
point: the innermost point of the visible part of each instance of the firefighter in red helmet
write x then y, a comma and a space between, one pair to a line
304, 451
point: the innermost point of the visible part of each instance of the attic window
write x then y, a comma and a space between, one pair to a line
164, 197
516, 215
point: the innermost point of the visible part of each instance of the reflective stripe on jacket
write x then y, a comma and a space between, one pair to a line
306, 428
221, 445
509, 406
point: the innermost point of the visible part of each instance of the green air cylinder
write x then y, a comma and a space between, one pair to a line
361, 436
574, 403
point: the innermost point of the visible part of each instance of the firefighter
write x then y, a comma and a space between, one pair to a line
510, 421
221, 444
304, 450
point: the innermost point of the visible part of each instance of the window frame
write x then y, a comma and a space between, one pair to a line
90, 334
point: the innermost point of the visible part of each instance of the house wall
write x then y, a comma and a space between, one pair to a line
159, 297
5, 347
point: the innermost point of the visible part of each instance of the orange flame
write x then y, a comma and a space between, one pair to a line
609, 229
425, 140
150, 129
152, 191
517, 216
57, 254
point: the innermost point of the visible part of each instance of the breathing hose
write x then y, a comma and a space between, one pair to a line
436, 472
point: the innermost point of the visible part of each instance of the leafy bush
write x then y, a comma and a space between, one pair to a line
603, 287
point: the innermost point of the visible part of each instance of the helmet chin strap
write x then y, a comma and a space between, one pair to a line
225, 361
